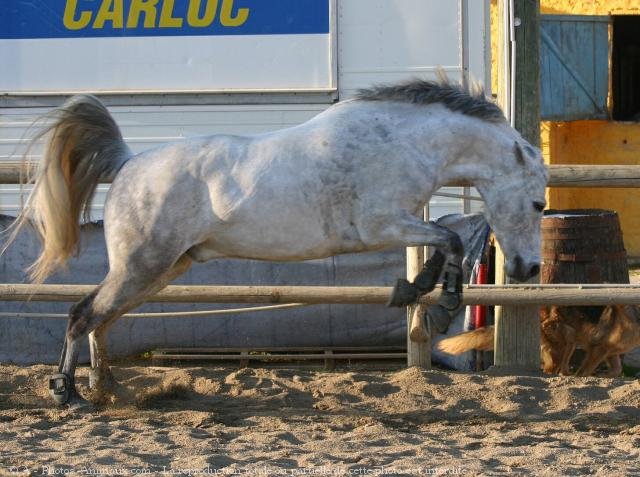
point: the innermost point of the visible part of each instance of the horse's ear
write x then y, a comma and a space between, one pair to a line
517, 150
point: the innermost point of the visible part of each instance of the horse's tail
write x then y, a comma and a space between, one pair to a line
480, 339
84, 147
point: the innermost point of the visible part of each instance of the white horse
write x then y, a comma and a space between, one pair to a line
352, 179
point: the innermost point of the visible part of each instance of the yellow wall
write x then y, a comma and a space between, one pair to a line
589, 142
589, 7
596, 142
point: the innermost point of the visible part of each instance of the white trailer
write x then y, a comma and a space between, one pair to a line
168, 69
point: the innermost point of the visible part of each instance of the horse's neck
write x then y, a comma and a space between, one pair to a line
468, 152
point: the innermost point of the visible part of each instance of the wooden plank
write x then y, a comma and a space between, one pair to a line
517, 330
418, 352
519, 295
279, 356
594, 176
281, 349
244, 361
517, 338
559, 175
574, 71
211, 294
602, 50
517, 327
527, 70
14, 172
329, 362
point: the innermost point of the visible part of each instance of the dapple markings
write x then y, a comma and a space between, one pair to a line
352, 179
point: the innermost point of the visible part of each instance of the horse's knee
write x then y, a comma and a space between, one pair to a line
447, 240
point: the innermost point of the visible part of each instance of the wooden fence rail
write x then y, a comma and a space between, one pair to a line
559, 175
506, 295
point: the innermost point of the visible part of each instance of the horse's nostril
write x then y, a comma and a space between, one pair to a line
534, 270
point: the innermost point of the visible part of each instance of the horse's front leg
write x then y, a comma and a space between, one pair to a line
445, 262
451, 297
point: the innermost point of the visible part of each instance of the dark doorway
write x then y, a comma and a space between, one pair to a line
625, 68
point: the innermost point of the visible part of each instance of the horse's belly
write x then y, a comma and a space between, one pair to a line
276, 243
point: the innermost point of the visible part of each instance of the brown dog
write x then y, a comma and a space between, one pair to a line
604, 333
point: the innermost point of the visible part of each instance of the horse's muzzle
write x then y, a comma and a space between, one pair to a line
520, 270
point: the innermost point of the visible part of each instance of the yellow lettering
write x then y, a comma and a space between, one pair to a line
193, 15
69, 20
167, 20
146, 7
225, 14
110, 11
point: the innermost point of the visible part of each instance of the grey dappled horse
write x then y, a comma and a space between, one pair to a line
352, 179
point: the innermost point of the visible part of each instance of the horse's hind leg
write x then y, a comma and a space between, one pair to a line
117, 294
62, 384
101, 378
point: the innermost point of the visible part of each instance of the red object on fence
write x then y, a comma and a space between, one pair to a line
480, 311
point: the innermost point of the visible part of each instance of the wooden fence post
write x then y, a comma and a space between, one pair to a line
517, 328
418, 351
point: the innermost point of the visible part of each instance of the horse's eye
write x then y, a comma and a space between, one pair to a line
539, 206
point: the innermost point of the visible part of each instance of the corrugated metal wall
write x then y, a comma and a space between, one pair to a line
145, 127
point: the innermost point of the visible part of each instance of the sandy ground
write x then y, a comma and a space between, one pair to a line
288, 421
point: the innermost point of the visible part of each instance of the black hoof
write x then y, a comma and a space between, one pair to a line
439, 317
61, 388
428, 277
403, 294
450, 301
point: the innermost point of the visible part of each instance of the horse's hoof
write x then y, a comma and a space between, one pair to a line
451, 302
102, 379
439, 318
61, 388
79, 404
102, 385
428, 278
403, 294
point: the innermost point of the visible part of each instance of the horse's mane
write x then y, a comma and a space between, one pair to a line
472, 102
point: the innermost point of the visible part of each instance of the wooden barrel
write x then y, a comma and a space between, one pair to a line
583, 246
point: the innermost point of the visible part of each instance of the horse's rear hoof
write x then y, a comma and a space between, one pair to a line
61, 388
452, 302
102, 379
403, 294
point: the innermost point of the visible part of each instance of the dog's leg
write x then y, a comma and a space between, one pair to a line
569, 346
614, 365
547, 356
563, 368
594, 356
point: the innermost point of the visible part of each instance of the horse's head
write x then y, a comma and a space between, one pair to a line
514, 196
